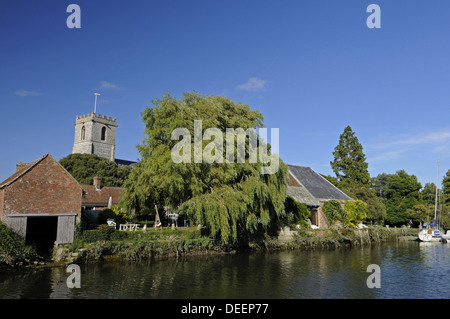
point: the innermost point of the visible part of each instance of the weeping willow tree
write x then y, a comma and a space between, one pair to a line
231, 199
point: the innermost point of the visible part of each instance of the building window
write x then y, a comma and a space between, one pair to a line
83, 133
103, 133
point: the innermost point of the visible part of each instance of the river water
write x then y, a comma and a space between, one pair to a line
407, 270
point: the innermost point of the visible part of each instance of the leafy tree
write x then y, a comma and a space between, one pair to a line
446, 188
297, 213
419, 213
232, 201
428, 194
83, 167
379, 184
354, 212
402, 193
376, 209
349, 162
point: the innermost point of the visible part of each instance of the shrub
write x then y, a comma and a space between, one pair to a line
90, 236
355, 212
105, 231
12, 248
333, 211
119, 235
296, 212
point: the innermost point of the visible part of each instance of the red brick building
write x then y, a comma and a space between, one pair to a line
41, 200
307, 186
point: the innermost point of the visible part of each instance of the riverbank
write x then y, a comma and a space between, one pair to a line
108, 244
93, 246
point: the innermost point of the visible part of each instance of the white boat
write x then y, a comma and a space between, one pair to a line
424, 235
427, 235
432, 234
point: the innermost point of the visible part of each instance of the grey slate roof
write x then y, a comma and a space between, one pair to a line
317, 185
301, 195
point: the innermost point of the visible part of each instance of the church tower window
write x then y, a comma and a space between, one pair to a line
83, 133
103, 137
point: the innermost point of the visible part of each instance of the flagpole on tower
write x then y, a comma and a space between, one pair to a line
95, 104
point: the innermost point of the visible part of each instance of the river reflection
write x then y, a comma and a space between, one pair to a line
408, 270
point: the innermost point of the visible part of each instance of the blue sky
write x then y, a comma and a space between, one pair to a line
311, 67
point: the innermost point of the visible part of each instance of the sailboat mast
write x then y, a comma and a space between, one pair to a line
436, 197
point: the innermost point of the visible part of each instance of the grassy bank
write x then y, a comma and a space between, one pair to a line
333, 238
94, 245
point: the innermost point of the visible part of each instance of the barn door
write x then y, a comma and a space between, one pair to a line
66, 228
18, 225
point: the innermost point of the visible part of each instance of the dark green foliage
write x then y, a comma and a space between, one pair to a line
402, 193
349, 162
333, 211
13, 249
446, 188
83, 167
379, 184
119, 218
105, 231
428, 194
297, 213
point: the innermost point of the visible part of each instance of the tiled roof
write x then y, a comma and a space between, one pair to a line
21, 172
317, 185
92, 196
26, 168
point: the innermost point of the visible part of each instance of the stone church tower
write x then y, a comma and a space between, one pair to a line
95, 134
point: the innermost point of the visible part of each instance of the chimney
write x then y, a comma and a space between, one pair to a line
20, 165
97, 182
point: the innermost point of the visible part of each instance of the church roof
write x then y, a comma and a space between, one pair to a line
124, 162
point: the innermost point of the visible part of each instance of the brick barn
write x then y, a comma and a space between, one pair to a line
307, 186
41, 202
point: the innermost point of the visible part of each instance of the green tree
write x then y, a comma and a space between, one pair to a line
297, 213
83, 167
428, 194
402, 193
354, 212
232, 201
419, 213
376, 209
446, 188
379, 184
349, 162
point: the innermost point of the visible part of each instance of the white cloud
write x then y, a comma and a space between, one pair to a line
434, 143
109, 86
253, 85
26, 93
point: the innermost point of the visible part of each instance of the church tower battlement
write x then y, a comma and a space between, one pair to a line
95, 134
